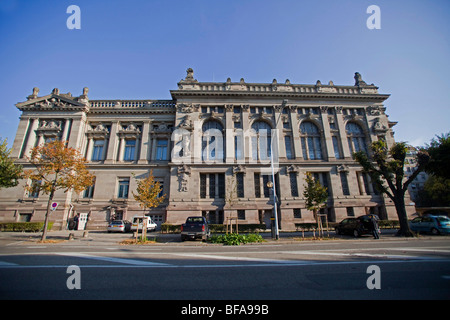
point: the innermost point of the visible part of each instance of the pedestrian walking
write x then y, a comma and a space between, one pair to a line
373, 225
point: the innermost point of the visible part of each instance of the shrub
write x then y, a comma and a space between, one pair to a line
216, 228
24, 226
170, 228
234, 239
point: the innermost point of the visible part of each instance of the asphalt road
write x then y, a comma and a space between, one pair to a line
283, 270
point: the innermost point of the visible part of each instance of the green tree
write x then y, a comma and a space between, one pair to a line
436, 192
316, 196
147, 194
57, 167
387, 172
10, 173
439, 151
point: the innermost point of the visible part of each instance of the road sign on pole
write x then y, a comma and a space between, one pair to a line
54, 206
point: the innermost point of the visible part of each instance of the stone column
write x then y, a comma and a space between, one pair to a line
89, 148
67, 124
143, 156
342, 133
327, 133
246, 140
296, 134
121, 148
112, 144
77, 132
279, 135
20, 142
229, 136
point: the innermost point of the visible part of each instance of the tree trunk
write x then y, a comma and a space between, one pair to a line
399, 201
47, 215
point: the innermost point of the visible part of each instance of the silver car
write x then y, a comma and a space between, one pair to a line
119, 226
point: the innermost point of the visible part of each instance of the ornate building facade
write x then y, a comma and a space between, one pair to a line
214, 147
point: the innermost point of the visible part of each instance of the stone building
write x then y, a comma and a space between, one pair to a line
213, 147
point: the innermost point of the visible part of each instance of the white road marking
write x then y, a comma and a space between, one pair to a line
234, 258
356, 254
111, 259
420, 250
294, 263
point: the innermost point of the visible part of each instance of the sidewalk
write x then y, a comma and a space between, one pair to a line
100, 238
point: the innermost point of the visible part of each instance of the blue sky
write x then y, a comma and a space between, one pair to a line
131, 49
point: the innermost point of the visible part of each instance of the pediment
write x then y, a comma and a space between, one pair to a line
54, 101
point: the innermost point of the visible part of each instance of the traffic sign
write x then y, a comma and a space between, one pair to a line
54, 206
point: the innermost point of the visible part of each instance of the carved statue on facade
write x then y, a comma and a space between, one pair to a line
190, 74
359, 81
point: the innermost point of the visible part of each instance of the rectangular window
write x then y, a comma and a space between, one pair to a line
161, 192
97, 152
350, 212
130, 149
288, 146
257, 181
221, 185
322, 177
25, 217
212, 185
297, 213
161, 149
305, 154
202, 185
34, 193
344, 183
241, 214
312, 155
318, 148
240, 184
293, 183
124, 185
266, 179
89, 192
337, 152
238, 147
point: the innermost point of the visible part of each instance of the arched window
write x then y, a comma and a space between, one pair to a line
311, 145
212, 141
261, 140
356, 137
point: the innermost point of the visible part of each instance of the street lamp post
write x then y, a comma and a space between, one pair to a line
275, 233
271, 184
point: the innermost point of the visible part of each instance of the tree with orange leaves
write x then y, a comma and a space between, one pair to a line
57, 167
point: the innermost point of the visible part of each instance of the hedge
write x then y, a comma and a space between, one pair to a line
383, 224
215, 228
24, 226
170, 228
234, 239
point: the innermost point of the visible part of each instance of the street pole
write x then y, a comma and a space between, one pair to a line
275, 198
277, 236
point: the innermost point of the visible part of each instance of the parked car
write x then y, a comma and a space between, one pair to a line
119, 226
194, 228
138, 222
356, 226
432, 224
